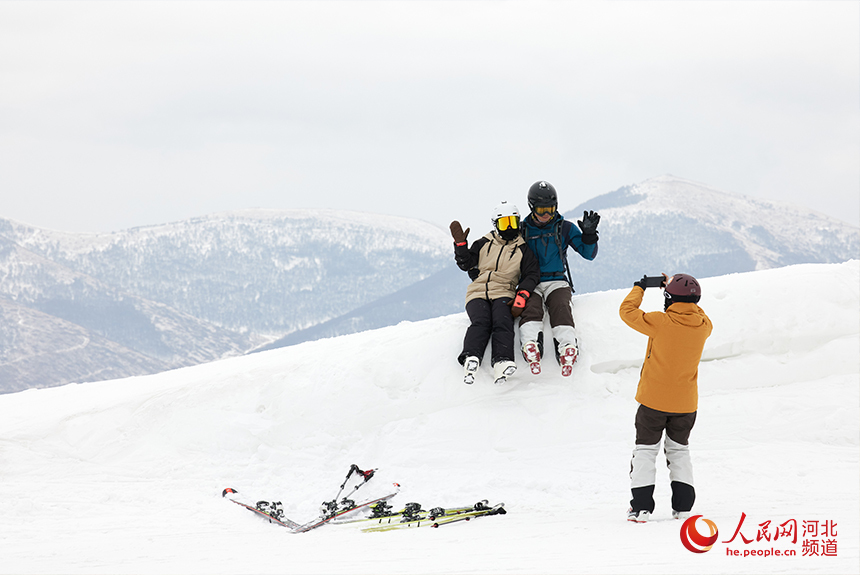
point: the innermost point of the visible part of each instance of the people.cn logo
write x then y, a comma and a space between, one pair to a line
695, 541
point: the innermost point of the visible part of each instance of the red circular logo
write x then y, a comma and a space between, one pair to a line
695, 541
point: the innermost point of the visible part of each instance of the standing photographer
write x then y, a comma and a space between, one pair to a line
668, 389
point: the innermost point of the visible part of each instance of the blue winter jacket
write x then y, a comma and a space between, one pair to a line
544, 243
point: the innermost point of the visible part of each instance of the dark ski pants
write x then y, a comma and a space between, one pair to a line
489, 319
557, 305
650, 425
560, 316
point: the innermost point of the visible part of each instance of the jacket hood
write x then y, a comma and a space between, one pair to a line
686, 313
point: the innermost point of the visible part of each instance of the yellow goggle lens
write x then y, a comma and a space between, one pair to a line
506, 222
545, 210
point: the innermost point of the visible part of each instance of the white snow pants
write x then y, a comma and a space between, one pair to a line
643, 465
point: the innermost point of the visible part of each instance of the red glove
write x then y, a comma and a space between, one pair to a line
519, 303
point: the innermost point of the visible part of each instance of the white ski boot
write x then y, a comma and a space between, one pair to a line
470, 366
638, 516
502, 370
567, 357
531, 354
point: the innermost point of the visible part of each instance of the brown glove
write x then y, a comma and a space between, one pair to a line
457, 233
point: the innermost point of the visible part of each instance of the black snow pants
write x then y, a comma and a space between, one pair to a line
489, 318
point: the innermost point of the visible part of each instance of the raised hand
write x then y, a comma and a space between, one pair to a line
457, 232
588, 223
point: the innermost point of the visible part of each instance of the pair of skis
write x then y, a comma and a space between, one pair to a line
275, 514
382, 518
329, 510
435, 517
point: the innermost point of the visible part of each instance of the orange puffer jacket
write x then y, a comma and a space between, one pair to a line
676, 338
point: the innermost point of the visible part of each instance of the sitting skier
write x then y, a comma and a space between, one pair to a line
504, 273
549, 235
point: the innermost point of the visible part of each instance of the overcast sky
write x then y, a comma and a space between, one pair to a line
122, 114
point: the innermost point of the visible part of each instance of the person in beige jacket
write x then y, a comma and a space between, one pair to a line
668, 392
504, 273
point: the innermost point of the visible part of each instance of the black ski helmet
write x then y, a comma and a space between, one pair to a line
542, 195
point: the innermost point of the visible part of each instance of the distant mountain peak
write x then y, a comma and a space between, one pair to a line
673, 224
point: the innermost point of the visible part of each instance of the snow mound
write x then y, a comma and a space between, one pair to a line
125, 476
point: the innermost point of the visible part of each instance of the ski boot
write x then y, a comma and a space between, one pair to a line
531, 354
567, 357
641, 516
470, 366
502, 370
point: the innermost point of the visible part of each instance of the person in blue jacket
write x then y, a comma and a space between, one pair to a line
549, 235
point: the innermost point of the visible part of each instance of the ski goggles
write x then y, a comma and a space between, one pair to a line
541, 210
508, 222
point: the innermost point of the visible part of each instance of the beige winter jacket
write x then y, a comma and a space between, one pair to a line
499, 266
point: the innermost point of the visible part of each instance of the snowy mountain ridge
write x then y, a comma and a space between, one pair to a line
192, 291
238, 270
329, 224
760, 226
59, 326
138, 465
670, 224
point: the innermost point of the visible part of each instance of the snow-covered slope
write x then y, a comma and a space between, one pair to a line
42, 350
60, 326
125, 477
443, 293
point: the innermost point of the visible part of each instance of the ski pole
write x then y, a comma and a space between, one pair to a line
365, 474
328, 508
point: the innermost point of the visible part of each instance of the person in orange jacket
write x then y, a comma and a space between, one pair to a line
668, 390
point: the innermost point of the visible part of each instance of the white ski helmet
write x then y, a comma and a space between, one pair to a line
504, 209
506, 221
